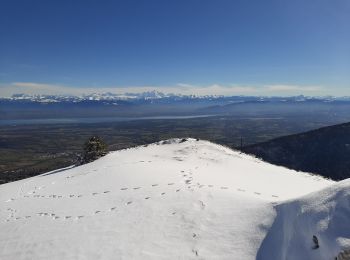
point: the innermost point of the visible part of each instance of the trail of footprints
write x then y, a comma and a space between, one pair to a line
187, 180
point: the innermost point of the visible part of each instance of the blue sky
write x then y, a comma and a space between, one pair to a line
270, 47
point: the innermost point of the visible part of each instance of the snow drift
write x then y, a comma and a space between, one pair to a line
173, 200
324, 214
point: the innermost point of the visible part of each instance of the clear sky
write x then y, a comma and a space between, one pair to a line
262, 47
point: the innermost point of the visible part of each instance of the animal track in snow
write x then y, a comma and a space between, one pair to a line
129, 202
136, 188
154, 185
163, 193
147, 198
195, 252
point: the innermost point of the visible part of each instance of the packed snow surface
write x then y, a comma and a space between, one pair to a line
174, 199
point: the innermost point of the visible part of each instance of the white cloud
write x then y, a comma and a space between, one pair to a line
289, 88
181, 88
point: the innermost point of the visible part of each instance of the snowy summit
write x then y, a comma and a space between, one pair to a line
176, 199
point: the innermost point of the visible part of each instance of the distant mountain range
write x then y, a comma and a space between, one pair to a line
325, 151
21, 106
154, 95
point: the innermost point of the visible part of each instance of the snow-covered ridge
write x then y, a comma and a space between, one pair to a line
175, 199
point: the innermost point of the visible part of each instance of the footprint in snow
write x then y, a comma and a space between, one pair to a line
163, 193
107, 191
56, 217
79, 196
136, 188
275, 196
79, 217
147, 198
114, 208
124, 188
257, 193
95, 193
68, 217
97, 211
224, 188
129, 202
71, 196
154, 185
171, 183
202, 204
173, 213
178, 190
